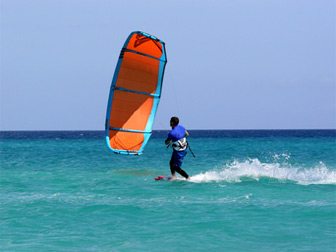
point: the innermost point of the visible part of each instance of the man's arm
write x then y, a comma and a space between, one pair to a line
186, 134
169, 139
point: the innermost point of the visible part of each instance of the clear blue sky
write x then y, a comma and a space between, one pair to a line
231, 64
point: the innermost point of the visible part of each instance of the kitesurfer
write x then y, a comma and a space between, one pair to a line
177, 139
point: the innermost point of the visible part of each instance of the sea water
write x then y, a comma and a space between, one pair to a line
249, 191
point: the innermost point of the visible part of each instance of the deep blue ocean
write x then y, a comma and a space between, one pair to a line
250, 190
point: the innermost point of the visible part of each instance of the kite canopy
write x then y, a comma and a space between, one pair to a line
135, 93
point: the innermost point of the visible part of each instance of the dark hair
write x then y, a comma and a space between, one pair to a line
174, 120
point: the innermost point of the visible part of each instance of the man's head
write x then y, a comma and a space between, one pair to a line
174, 121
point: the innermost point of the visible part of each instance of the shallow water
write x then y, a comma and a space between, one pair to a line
250, 191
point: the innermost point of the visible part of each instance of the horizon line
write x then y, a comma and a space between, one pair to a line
170, 129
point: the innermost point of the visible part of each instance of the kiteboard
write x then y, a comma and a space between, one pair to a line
167, 178
163, 178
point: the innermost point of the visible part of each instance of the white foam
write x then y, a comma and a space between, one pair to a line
254, 169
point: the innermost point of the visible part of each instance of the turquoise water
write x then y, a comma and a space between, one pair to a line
248, 193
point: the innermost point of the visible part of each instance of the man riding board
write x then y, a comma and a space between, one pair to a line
177, 139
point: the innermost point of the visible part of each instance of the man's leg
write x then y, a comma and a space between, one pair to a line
174, 168
182, 172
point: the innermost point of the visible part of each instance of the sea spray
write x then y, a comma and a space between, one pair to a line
255, 169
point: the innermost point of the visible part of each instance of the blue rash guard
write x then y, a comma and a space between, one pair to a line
176, 134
